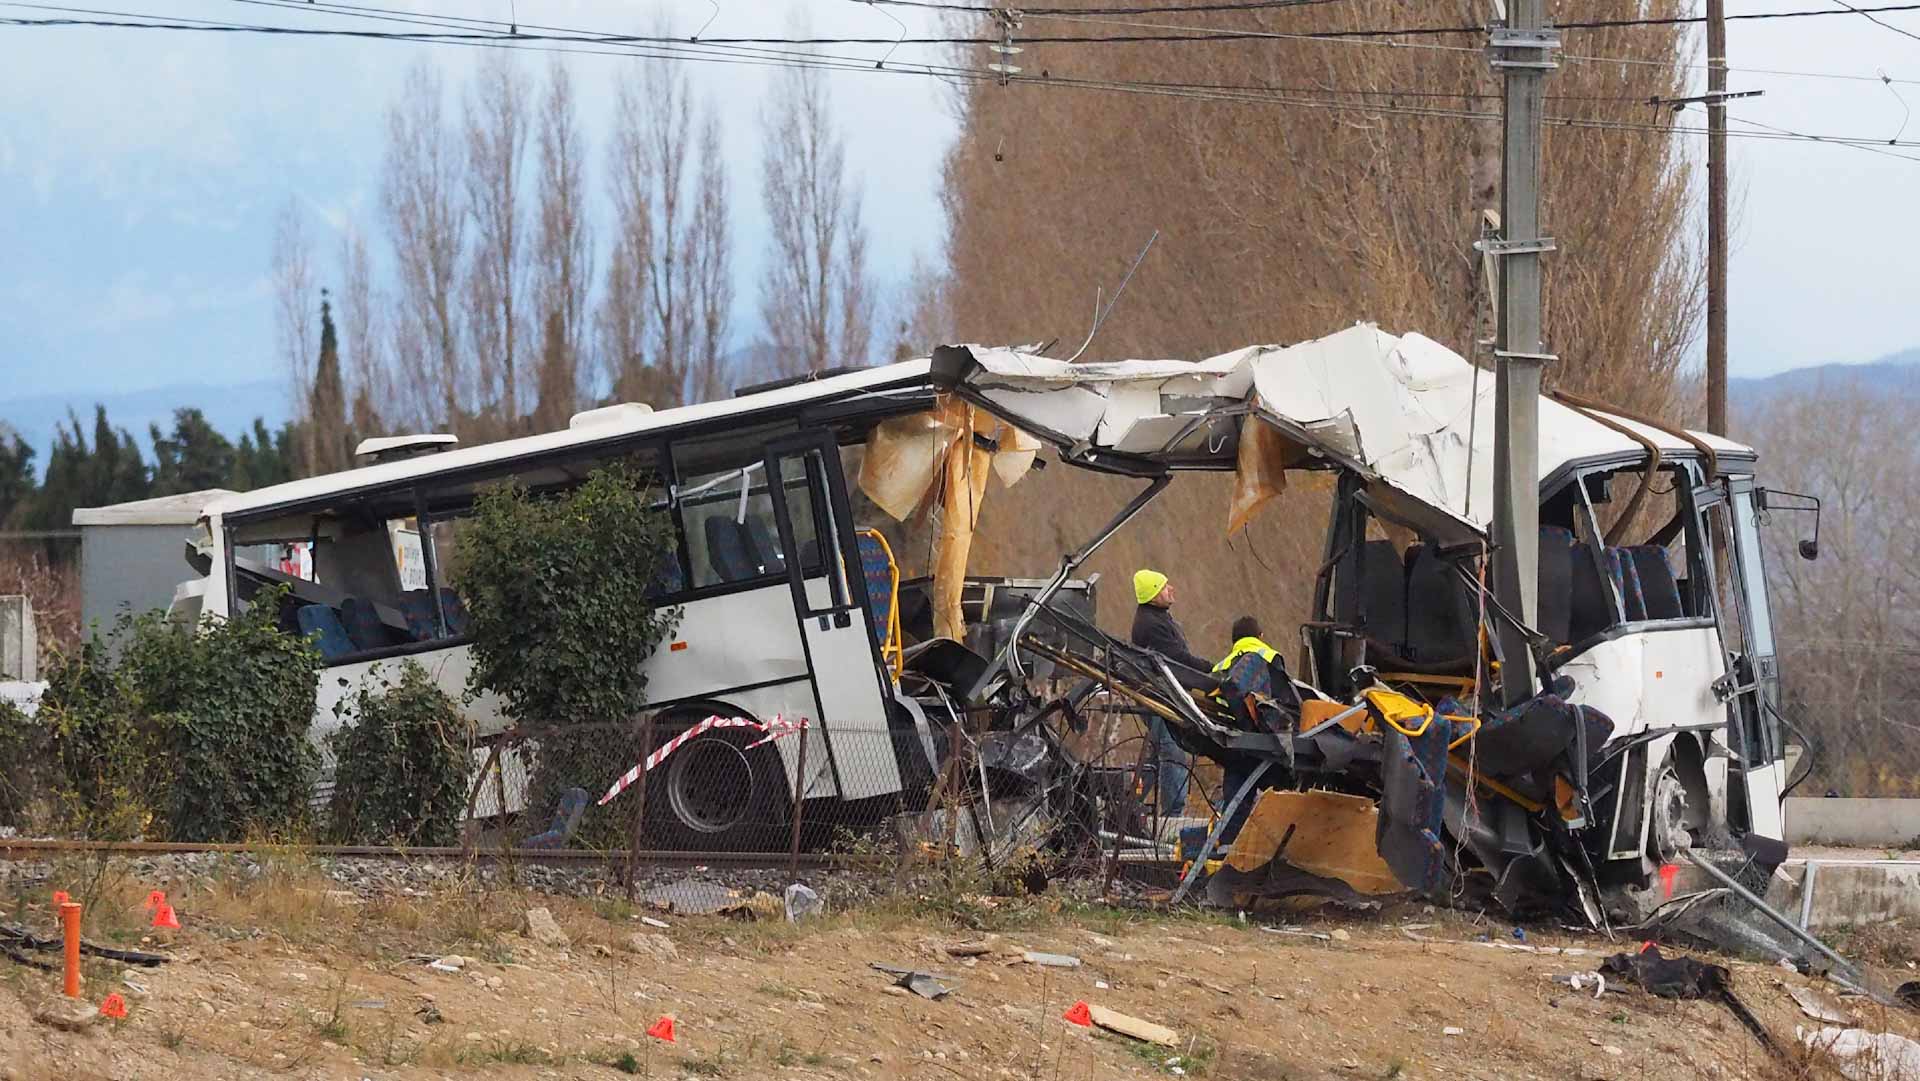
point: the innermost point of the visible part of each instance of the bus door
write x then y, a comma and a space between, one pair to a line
830, 602
1753, 679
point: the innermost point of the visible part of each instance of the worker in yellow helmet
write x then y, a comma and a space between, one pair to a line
1154, 628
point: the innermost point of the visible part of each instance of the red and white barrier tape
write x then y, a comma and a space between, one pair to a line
773, 729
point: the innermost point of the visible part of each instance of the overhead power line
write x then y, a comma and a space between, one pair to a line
1160, 9
1882, 23
1189, 34
717, 51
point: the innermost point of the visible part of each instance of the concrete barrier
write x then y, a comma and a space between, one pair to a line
1854, 823
1846, 892
19, 643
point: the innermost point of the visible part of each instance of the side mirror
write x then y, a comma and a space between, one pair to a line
1768, 499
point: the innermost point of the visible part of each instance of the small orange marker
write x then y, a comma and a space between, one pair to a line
163, 917
1080, 1014
114, 1007
662, 1029
60, 897
676, 647
155, 900
1667, 873
70, 930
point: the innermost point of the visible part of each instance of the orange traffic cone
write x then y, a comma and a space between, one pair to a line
662, 1029
114, 1007
1079, 1014
163, 917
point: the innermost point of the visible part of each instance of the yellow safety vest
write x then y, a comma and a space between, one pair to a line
1246, 645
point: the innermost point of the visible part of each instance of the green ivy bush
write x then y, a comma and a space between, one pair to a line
556, 593
106, 777
184, 734
240, 694
556, 589
26, 762
401, 763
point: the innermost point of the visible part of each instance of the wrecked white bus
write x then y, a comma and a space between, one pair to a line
1655, 726
791, 608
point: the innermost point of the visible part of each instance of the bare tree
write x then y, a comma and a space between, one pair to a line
1845, 623
924, 312
666, 121
425, 223
361, 335
711, 262
816, 300
563, 253
295, 302
1279, 223
624, 314
496, 139
667, 287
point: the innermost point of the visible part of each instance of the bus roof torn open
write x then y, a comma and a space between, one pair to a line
1404, 411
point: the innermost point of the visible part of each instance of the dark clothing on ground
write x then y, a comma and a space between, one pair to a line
1154, 629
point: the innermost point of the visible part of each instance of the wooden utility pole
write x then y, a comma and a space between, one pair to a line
1523, 52
1716, 217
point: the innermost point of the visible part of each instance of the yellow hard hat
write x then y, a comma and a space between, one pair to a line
1147, 585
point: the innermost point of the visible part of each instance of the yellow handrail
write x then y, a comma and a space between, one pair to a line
891, 648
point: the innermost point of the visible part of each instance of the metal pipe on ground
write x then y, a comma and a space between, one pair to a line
1843, 967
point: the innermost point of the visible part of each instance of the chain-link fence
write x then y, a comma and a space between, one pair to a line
1079, 795
710, 817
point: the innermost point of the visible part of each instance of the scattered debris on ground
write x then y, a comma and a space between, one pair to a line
271, 979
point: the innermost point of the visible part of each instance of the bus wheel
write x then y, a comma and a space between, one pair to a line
714, 794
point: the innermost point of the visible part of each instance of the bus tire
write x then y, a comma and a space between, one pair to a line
714, 794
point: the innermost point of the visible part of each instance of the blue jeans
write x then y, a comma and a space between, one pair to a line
1173, 768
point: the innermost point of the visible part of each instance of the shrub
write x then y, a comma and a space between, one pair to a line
240, 696
188, 735
27, 765
401, 772
556, 590
105, 779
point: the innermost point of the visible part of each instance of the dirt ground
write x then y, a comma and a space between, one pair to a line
280, 975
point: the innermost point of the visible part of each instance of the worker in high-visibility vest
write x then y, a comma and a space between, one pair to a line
1246, 640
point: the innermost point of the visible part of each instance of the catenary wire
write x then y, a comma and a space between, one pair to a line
1190, 35
965, 74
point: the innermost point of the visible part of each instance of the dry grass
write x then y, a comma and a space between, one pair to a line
54, 589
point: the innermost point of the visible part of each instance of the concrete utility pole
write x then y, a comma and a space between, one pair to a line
1523, 52
1716, 217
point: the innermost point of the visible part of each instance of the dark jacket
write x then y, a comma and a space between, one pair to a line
1154, 629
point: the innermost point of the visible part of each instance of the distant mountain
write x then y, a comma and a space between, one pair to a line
1895, 372
230, 409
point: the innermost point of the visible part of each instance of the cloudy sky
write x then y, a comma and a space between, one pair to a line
140, 172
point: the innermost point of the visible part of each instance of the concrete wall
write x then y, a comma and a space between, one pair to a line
1854, 823
1847, 893
19, 641
129, 566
